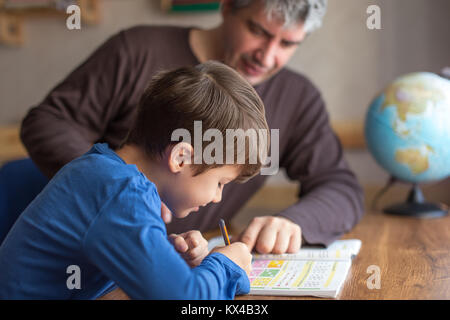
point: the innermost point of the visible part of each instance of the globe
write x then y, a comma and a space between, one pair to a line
407, 128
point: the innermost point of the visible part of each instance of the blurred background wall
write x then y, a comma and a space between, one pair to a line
348, 62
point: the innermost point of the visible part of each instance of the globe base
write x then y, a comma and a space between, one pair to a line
415, 206
418, 210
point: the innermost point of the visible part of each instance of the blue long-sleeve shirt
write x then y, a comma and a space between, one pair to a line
103, 216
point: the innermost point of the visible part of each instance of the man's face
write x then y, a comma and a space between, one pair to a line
256, 46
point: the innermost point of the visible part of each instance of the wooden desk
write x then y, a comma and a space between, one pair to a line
413, 256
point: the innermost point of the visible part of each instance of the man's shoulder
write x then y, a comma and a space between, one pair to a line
148, 40
154, 32
290, 90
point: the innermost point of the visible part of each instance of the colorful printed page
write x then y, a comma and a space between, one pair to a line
318, 272
298, 277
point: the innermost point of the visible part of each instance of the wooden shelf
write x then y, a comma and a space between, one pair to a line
12, 20
90, 11
189, 6
11, 29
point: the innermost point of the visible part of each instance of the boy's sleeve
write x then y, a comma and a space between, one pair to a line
128, 243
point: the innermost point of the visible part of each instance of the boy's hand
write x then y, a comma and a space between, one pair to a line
166, 214
237, 252
191, 245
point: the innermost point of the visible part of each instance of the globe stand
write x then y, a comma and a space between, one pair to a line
415, 206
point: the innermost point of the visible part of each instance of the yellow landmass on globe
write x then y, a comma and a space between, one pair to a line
414, 159
409, 98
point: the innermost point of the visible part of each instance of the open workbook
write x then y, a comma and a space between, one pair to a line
318, 272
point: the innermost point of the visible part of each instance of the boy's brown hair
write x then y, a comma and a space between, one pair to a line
212, 93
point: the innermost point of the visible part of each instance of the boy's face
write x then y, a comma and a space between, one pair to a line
188, 193
255, 46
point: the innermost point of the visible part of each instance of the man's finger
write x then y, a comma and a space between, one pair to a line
267, 238
296, 240
282, 242
250, 234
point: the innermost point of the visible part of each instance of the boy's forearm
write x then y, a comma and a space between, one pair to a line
119, 294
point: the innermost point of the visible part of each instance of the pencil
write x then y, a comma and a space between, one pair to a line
223, 229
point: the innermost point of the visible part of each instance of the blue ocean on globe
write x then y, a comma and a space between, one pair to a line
407, 128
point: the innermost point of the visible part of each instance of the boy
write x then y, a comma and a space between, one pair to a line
99, 216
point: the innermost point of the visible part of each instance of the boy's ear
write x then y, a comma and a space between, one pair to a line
180, 155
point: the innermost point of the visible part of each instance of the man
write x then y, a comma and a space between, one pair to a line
97, 102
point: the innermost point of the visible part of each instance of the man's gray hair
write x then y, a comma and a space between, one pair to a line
310, 12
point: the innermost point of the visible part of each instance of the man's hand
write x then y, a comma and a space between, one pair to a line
166, 214
191, 245
272, 235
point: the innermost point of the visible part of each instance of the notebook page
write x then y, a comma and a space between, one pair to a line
338, 250
215, 242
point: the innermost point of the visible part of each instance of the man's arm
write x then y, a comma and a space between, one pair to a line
331, 199
75, 114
